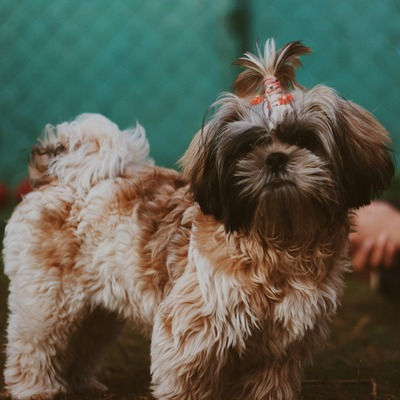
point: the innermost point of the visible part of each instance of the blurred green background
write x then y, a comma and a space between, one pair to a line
163, 62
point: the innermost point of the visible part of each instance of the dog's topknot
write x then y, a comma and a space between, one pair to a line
280, 64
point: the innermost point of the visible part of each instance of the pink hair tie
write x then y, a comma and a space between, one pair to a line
272, 86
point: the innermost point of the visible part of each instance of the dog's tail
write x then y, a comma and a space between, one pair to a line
87, 150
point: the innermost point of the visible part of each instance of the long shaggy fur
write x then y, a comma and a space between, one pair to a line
234, 267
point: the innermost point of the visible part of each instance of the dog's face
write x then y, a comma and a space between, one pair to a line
291, 169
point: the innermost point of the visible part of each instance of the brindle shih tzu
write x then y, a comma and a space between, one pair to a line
235, 266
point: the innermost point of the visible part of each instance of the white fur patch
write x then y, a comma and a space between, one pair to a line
96, 149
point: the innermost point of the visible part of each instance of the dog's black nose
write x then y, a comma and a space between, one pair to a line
276, 161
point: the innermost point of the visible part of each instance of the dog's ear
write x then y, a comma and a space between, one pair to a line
205, 163
366, 161
200, 169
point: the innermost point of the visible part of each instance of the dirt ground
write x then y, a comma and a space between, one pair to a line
361, 360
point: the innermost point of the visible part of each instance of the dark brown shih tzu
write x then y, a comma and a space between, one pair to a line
235, 266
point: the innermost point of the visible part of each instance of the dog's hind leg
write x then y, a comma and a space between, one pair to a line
95, 333
41, 323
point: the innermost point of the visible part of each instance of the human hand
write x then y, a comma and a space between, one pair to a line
376, 240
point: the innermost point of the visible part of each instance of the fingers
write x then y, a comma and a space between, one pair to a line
377, 254
361, 255
376, 241
373, 254
389, 254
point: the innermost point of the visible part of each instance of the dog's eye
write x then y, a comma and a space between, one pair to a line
248, 140
302, 140
298, 135
306, 140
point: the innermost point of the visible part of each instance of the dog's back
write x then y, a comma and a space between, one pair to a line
77, 169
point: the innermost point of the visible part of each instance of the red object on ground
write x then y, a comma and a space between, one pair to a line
4, 195
23, 188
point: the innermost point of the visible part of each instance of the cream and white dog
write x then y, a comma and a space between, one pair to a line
234, 266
